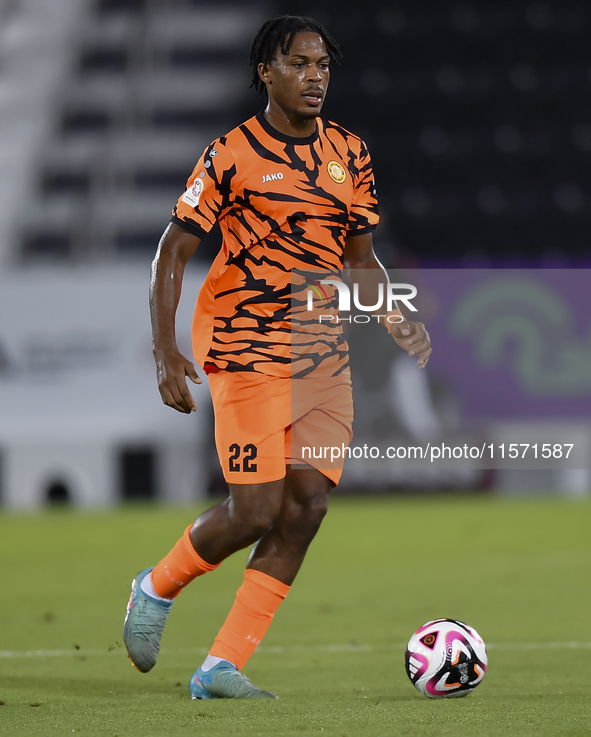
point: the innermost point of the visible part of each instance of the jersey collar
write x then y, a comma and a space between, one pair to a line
283, 137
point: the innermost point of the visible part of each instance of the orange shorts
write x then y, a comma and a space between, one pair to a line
263, 423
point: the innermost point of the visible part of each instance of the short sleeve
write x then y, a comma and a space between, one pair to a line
208, 191
364, 213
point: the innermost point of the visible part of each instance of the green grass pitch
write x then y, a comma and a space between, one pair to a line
518, 571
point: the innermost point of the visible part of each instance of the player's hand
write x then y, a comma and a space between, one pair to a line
172, 370
413, 337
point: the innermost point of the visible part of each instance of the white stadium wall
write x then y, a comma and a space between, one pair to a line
78, 389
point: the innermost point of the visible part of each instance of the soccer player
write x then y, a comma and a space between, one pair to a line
290, 192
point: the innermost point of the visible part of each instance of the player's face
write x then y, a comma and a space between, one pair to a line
297, 83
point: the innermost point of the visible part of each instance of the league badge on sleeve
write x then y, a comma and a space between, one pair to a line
193, 193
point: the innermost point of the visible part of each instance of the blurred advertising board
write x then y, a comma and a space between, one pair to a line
78, 384
507, 387
512, 343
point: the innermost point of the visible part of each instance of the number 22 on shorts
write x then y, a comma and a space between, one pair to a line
250, 453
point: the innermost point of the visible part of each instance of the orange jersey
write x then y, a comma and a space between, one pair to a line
283, 204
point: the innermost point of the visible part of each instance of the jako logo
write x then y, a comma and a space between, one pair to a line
272, 177
394, 294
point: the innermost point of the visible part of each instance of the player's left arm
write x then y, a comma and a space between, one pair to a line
411, 336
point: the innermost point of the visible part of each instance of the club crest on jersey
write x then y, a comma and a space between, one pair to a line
337, 172
192, 195
272, 177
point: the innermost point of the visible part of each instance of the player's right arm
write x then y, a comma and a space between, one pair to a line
207, 195
174, 250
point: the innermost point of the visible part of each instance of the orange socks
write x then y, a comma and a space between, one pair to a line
179, 568
257, 600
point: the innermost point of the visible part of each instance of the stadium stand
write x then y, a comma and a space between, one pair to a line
482, 113
34, 57
149, 85
477, 115
478, 119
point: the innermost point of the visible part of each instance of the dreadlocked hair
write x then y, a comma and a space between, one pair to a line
280, 32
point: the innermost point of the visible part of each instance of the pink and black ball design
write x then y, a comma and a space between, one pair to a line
445, 658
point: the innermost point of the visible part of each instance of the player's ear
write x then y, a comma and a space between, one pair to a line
264, 73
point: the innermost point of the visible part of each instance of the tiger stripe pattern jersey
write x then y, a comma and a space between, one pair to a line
285, 206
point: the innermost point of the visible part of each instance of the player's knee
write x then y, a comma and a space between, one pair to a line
259, 527
317, 508
254, 523
252, 515
310, 514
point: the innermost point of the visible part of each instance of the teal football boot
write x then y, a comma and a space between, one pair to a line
224, 681
144, 622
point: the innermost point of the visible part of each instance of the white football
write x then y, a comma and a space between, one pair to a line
445, 658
